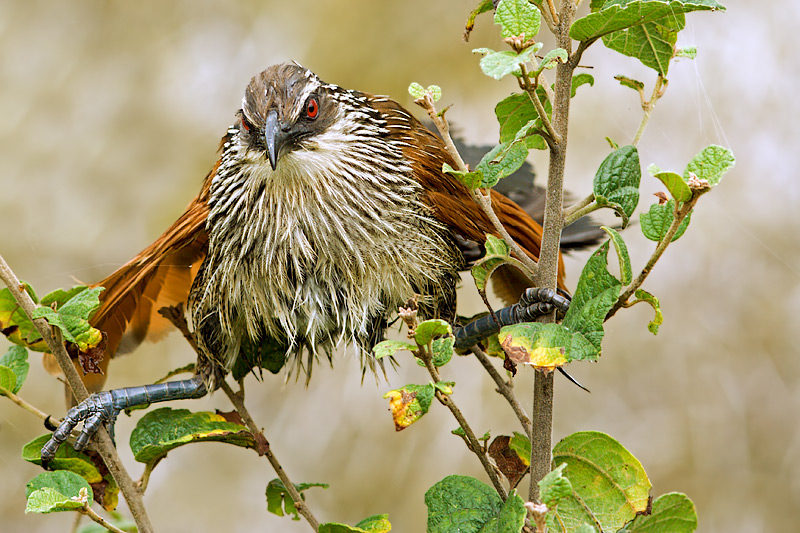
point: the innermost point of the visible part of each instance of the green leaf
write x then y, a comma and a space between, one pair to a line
545, 346
280, 502
268, 353
517, 17
515, 112
435, 91
644, 296
483, 7
497, 255
616, 183
89, 468
416, 90
710, 164
580, 79
521, 444
165, 429
426, 331
552, 58
461, 503
445, 387
671, 513
652, 43
496, 246
615, 15
636, 85
16, 325
8, 380
408, 404
443, 350
554, 487
51, 492
657, 221
378, 523
609, 484
675, 184
594, 296
72, 318
622, 254
390, 347
471, 180
16, 360
510, 519
501, 161
498, 65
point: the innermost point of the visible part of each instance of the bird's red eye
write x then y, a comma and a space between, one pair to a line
312, 108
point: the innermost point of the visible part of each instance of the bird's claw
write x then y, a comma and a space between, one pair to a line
96, 410
536, 302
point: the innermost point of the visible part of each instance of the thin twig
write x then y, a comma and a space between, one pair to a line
483, 201
504, 388
579, 210
553, 12
176, 315
678, 218
649, 105
264, 449
25, 405
88, 511
102, 441
548, 19
471, 439
530, 89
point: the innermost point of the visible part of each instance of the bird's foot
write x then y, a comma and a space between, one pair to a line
534, 303
102, 408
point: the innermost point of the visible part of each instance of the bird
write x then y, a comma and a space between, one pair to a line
326, 211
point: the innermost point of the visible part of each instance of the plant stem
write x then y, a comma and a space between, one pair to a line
88, 511
530, 89
471, 440
237, 399
25, 405
102, 440
175, 315
542, 432
649, 105
579, 210
483, 201
504, 388
677, 219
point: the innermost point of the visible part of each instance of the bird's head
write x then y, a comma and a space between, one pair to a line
284, 108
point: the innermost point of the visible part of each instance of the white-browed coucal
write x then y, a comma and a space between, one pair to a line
327, 210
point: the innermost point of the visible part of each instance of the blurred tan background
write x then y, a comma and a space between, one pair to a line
111, 114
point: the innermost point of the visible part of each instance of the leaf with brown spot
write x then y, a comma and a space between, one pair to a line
409, 404
507, 460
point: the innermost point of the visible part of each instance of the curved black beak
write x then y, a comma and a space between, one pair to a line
276, 137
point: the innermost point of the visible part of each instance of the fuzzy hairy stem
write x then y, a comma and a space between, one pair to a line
102, 441
542, 432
